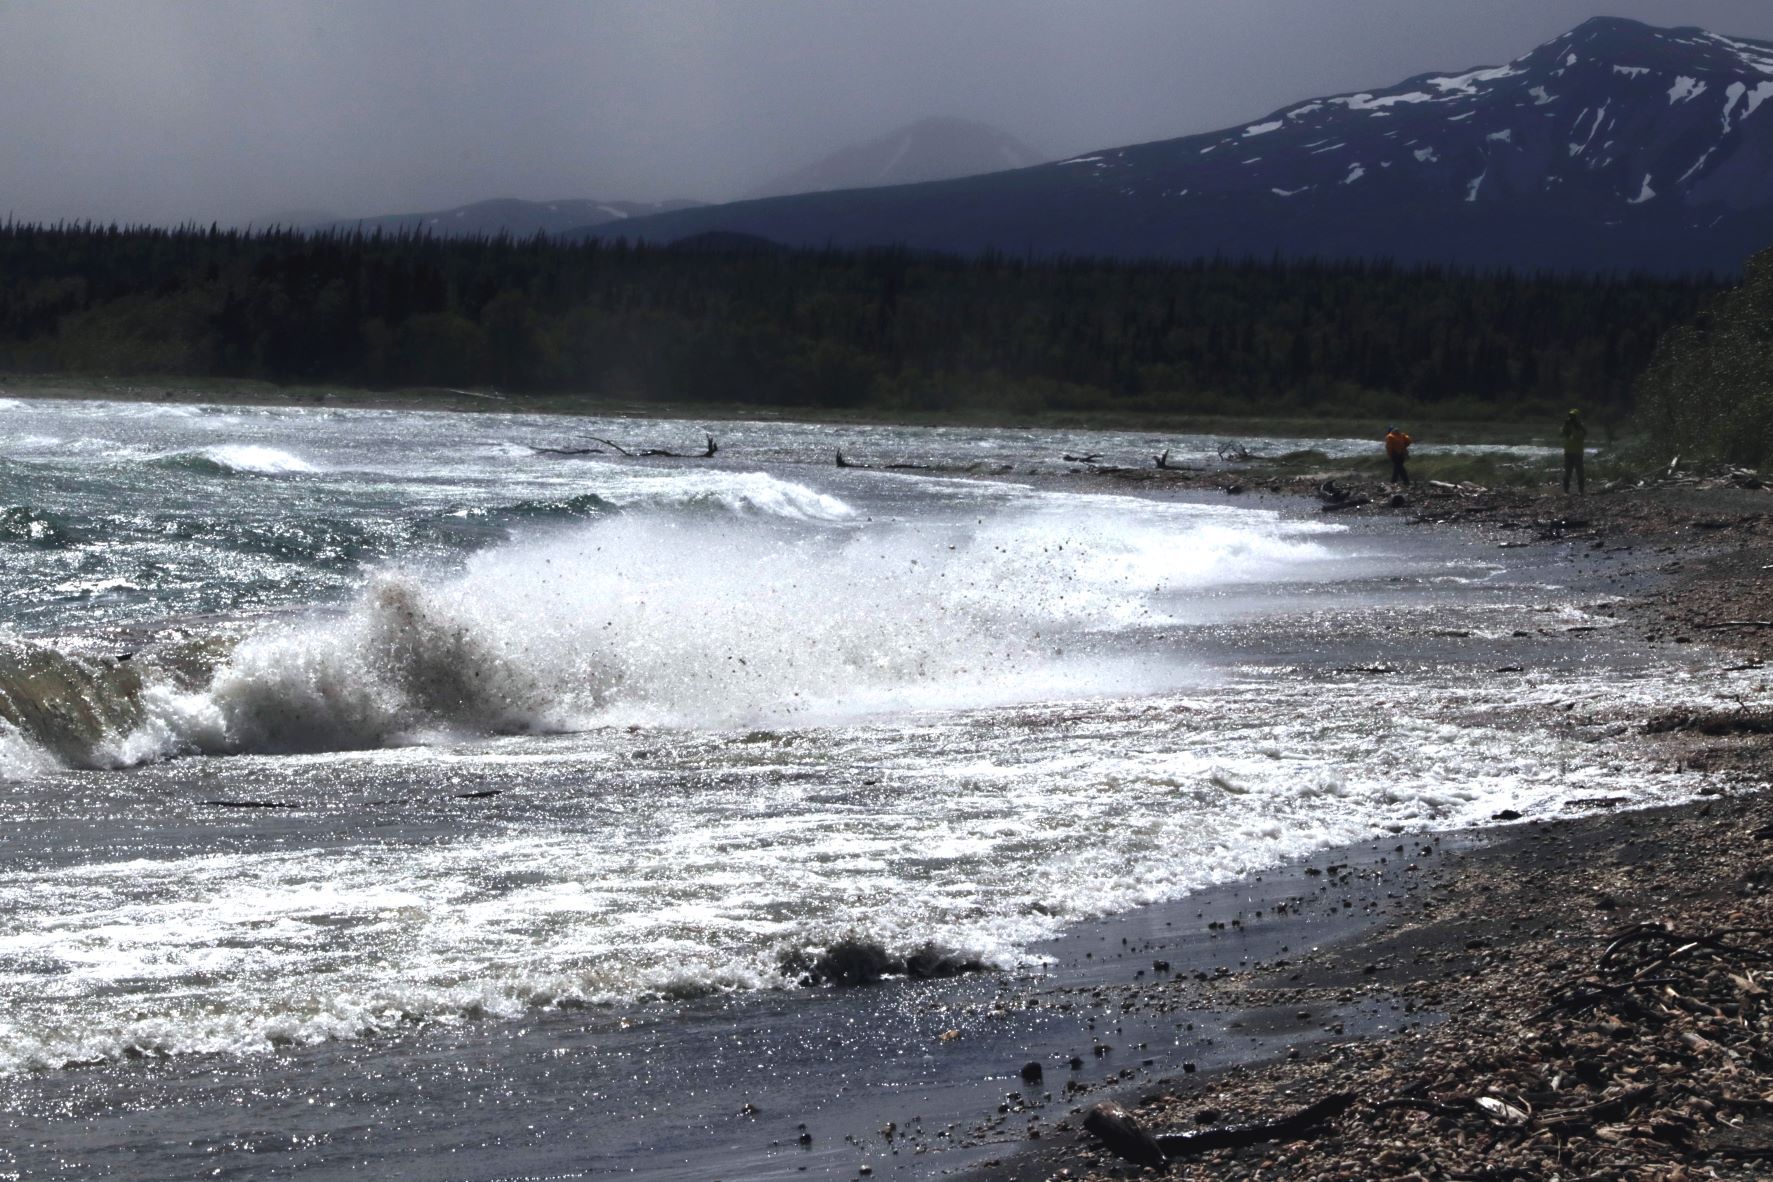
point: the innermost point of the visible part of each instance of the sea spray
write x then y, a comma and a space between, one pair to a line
691, 620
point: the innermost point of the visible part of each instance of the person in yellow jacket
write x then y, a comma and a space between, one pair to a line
1397, 446
1574, 434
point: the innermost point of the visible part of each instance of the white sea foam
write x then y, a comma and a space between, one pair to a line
712, 621
245, 458
747, 493
20, 759
696, 875
248, 457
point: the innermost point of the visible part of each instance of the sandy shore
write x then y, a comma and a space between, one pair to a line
1538, 1052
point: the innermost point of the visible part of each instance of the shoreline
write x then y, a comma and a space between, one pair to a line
1693, 557
1521, 916
463, 401
1498, 927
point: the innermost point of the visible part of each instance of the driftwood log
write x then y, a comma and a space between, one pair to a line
845, 462
709, 453
1116, 1128
1336, 498
1304, 1123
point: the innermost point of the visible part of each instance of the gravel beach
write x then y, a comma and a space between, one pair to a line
1592, 994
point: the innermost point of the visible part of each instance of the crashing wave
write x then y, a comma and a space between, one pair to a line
237, 459
34, 527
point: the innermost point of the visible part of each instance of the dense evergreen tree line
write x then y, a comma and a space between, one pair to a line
884, 329
1708, 392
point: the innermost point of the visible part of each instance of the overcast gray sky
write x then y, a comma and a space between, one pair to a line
167, 110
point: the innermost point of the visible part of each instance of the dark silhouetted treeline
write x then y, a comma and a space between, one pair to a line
1708, 392
880, 330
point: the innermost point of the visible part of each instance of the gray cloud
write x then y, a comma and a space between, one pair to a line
155, 110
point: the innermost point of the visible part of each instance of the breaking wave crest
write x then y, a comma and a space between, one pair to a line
237, 459
686, 622
679, 619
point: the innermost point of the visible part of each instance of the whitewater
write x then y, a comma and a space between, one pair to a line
323, 731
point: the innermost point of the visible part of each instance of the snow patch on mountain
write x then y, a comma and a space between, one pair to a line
1685, 89
1468, 83
1368, 102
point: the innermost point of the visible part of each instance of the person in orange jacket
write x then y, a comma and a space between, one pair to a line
1397, 446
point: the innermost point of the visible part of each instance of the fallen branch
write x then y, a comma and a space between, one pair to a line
617, 446
246, 804
1584, 992
678, 455
1437, 1107
1288, 1128
1738, 624
845, 462
1610, 1109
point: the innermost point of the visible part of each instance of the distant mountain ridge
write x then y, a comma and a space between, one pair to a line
1614, 147
520, 219
935, 149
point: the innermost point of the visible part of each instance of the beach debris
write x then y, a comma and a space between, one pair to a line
1233, 452
247, 804
1335, 498
1121, 1132
707, 453
1094, 457
1032, 1073
856, 960
844, 461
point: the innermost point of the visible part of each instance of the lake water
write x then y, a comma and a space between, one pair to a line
337, 740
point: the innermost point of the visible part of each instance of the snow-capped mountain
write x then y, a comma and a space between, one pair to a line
929, 150
508, 215
1610, 116
1615, 146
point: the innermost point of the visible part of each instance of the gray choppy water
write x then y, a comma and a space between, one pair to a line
542, 731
